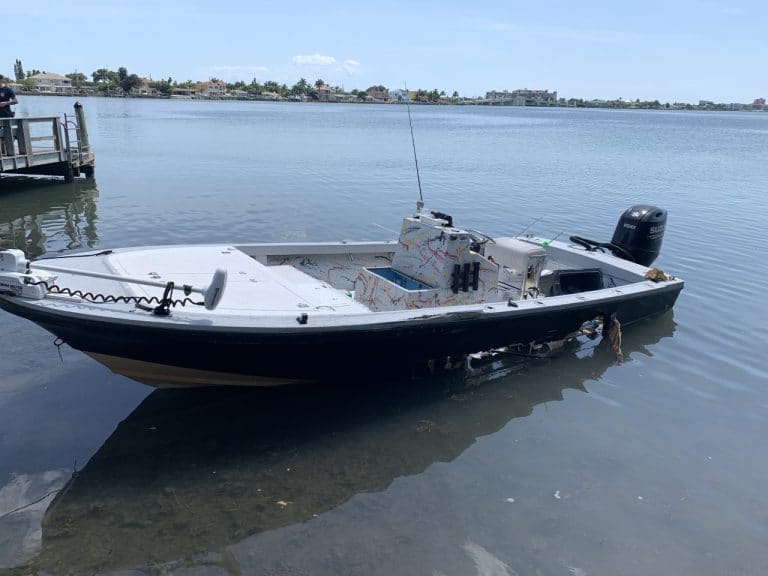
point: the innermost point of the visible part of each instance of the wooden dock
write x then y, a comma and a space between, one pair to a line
46, 145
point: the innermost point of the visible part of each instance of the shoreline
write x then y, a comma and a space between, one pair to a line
590, 105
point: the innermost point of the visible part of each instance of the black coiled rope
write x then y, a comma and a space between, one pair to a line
162, 308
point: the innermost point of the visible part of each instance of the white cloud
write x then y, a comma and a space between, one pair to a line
314, 60
351, 66
325, 65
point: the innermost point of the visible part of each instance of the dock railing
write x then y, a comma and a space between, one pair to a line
46, 145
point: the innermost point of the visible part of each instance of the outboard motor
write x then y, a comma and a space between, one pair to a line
637, 237
639, 233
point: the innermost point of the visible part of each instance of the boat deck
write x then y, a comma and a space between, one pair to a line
251, 285
284, 281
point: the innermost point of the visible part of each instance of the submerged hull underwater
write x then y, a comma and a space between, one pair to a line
315, 449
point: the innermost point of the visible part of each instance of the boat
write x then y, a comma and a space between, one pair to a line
271, 314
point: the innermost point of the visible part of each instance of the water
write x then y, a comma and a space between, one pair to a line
575, 465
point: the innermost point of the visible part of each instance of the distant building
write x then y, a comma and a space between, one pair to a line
184, 93
144, 88
378, 95
325, 94
269, 96
758, 104
524, 97
398, 95
51, 83
211, 89
494, 95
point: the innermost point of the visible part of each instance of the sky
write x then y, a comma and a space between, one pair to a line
673, 51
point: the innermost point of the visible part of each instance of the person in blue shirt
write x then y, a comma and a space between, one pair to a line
7, 99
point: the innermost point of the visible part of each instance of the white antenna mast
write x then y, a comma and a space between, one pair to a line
420, 203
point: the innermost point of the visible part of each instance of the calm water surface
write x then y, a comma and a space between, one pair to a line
575, 465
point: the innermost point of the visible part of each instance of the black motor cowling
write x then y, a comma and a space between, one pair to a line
639, 233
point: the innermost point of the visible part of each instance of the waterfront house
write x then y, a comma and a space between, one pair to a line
524, 97
184, 93
51, 83
145, 88
213, 90
325, 94
269, 96
377, 95
398, 95
348, 98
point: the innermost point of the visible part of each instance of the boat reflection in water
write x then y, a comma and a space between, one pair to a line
38, 216
192, 472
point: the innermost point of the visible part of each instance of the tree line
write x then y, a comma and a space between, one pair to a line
109, 81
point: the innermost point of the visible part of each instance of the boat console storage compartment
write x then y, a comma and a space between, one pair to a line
434, 264
520, 264
397, 278
558, 282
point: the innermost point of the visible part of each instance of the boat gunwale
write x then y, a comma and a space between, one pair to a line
369, 321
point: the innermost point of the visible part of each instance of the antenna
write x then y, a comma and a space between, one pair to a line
413, 143
529, 226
